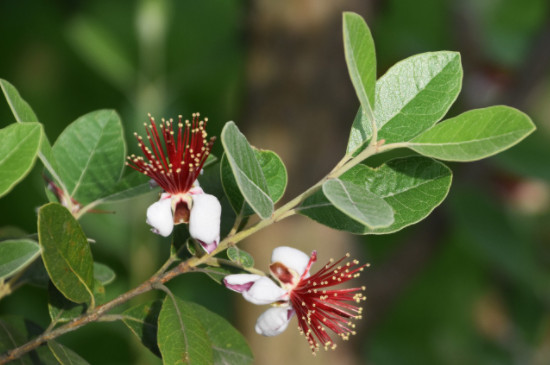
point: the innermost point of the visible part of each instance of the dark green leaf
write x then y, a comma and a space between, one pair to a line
412, 186
64, 355
60, 308
358, 203
65, 252
274, 172
18, 150
16, 331
240, 257
191, 334
16, 255
181, 337
246, 170
361, 60
142, 320
90, 155
475, 134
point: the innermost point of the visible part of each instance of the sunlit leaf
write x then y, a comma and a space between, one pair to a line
18, 151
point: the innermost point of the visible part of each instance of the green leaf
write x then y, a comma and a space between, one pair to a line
358, 203
181, 337
18, 150
16, 331
240, 257
21, 110
103, 273
90, 155
64, 355
411, 97
65, 252
412, 186
142, 320
361, 60
191, 334
246, 170
218, 273
129, 186
15, 255
60, 308
23, 113
227, 343
475, 134
274, 172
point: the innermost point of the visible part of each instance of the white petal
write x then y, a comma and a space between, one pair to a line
264, 291
274, 321
204, 220
159, 216
240, 282
291, 257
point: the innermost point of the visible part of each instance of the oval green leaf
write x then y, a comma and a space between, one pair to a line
475, 134
103, 273
90, 155
246, 170
18, 151
15, 255
358, 203
411, 97
65, 252
216, 341
240, 257
181, 337
275, 174
412, 186
361, 60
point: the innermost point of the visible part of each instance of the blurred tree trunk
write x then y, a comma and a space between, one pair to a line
300, 103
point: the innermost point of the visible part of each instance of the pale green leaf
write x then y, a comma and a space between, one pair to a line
16, 255
361, 60
411, 97
90, 155
475, 134
65, 252
240, 257
246, 170
103, 273
358, 203
412, 186
274, 172
18, 151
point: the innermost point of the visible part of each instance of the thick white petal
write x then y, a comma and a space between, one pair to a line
291, 258
204, 220
274, 321
264, 291
240, 282
159, 216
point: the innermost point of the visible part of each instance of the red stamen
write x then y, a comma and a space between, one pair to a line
174, 162
318, 309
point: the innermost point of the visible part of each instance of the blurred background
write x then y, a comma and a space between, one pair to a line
468, 285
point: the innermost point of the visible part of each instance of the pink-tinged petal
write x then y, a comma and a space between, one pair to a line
159, 216
265, 291
204, 220
274, 321
240, 282
292, 258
